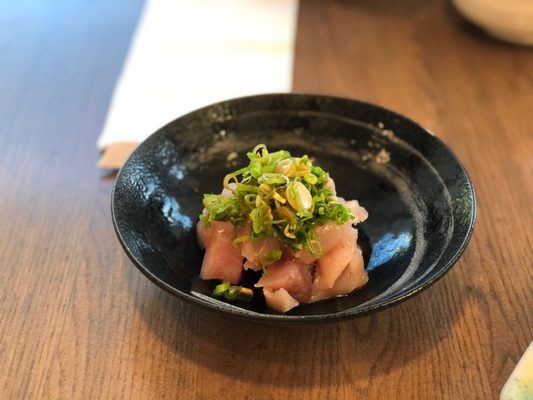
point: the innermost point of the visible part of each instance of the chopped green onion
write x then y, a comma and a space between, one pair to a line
232, 293
310, 178
221, 289
277, 195
271, 178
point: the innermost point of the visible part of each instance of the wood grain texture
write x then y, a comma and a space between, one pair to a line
78, 321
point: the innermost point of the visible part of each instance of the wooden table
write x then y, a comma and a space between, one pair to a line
78, 321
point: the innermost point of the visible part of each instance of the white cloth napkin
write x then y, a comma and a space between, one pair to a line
189, 53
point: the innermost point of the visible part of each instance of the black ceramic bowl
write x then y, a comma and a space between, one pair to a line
421, 203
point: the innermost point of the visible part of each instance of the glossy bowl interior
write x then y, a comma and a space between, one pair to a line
421, 203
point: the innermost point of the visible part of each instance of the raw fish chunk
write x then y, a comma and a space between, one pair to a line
279, 299
222, 260
332, 264
352, 277
257, 249
291, 276
357, 211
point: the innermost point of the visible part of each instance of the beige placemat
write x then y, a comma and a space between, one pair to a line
186, 54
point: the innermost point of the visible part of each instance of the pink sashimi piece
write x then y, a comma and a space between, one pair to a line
352, 277
203, 234
304, 257
206, 234
328, 236
222, 260
294, 277
257, 249
338, 243
357, 211
333, 235
279, 299
332, 264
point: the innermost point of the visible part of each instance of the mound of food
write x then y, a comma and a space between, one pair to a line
280, 216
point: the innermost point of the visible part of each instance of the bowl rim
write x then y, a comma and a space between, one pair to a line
284, 319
